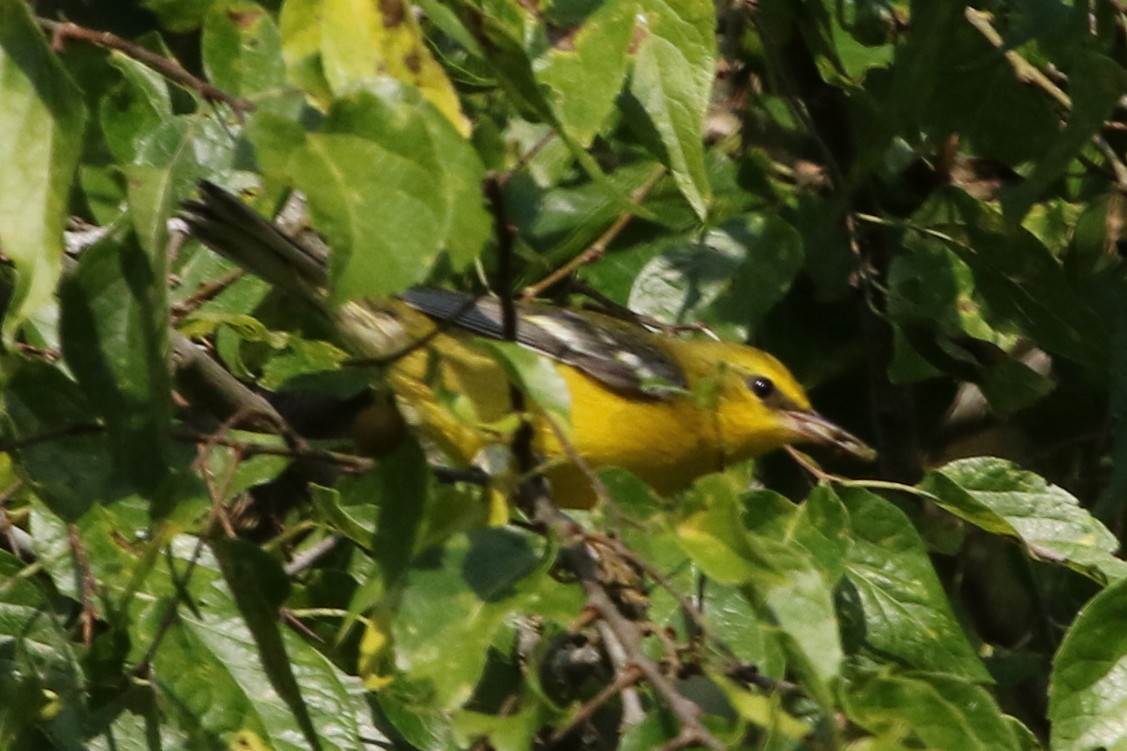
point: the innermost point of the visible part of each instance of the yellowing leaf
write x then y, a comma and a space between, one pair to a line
365, 39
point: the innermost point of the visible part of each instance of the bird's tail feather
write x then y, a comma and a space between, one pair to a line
239, 233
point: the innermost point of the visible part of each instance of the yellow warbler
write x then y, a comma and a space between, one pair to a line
666, 408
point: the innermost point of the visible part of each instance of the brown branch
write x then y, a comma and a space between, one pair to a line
625, 678
576, 556
87, 582
204, 293
596, 249
62, 31
526, 157
347, 462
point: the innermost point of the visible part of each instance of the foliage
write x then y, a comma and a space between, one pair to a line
919, 207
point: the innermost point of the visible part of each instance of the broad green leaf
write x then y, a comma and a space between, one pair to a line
672, 81
999, 497
242, 49
328, 507
951, 80
133, 730
511, 732
115, 338
235, 473
891, 601
562, 221
365, 39
1088, 685
709, 282
819, 524
208, 672
41, 128
931, 284
411, 709
300, 27
124, 548
763, 711
260, 586
941, 711
1019, 282
454, 601
133, 108
169, 161
747, 630
586, 69
780, 580
28, 621
390, 185
66, 457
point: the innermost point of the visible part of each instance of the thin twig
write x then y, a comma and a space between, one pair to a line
622, 681
596, 249
690, 609
633, 713
204, 293
577, 557
87, 582
142, 667
306, 558
62, 31
526, 157
347, 462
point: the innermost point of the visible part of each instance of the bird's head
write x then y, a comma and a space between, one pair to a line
760, 406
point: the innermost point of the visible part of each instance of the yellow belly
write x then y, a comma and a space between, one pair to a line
459, 400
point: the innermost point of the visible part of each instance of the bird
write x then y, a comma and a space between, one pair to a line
668, 409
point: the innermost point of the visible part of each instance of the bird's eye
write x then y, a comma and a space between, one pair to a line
761, 387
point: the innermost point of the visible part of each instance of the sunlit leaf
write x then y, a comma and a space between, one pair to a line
41, 127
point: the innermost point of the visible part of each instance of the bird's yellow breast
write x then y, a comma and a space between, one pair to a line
459, 400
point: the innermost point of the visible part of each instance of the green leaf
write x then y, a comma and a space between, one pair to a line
169, 161
41, 127
391, 186
208, 673
259, 586
300, 27
999, 497
1087, 688
709, 282
1018, 280
115, 338
891, 601
672, 80
364, 41
66, 455
242, 50
819, 524
135, 106
941, 711
587, 68
780, 580
455, 600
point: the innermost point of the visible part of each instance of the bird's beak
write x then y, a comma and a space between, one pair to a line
814, 428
